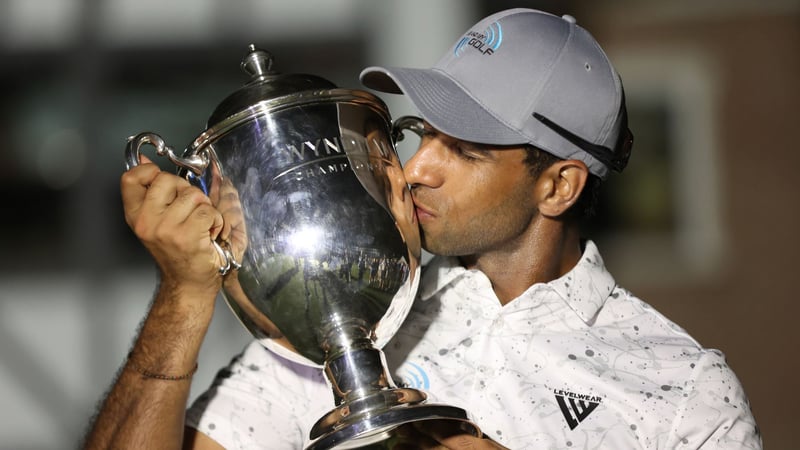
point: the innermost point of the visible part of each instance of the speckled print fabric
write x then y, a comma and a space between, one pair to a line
577, 363
261, 401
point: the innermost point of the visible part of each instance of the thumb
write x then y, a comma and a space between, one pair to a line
217, 226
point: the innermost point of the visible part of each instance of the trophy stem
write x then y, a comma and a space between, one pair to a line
357, 373
370, 405
362, 387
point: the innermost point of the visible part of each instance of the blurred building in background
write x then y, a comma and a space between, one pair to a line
702, 225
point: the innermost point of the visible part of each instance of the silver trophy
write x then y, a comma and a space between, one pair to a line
323, 260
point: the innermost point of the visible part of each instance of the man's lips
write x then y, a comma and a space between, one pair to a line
423, 213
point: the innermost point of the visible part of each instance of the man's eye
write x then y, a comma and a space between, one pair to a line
467, 154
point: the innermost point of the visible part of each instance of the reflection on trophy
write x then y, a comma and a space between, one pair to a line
323, 255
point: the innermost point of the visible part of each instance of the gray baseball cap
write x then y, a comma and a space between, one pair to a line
522, 76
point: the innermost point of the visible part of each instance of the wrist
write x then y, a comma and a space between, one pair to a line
148, 372
172, 333
193, 292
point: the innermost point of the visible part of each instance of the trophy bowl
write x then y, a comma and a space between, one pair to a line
323, 259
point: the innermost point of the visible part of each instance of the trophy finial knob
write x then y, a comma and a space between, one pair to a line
257, 63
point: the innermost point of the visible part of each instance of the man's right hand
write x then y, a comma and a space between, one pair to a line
176, 222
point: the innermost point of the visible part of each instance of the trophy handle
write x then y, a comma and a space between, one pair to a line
410, 123
196, 164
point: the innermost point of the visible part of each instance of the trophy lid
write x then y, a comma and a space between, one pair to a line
264, 84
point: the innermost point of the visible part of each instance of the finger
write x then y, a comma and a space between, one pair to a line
146, 215
170, 199
468, 442
165, 188
187, 199
133, 187
419, 445
451, 434
218, 224
204, 213
202, 226
232, 212
167, 204
189, 240
416, 441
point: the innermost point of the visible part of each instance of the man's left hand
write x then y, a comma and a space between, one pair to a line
441, 435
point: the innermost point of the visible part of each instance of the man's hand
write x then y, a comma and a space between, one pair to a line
440, 435
176, 222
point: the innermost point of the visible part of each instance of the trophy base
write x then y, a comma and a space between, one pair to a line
372, 428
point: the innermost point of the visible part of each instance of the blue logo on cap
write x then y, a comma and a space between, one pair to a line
487, 42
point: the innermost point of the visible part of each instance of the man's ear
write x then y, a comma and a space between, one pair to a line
561, 185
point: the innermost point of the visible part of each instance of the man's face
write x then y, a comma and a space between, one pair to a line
470, 198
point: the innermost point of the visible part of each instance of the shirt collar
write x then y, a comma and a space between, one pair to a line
584, 289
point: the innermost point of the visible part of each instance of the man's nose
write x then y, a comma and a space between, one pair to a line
425, 167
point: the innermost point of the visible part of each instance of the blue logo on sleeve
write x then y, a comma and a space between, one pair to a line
413, 376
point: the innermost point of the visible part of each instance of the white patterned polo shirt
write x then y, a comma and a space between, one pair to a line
574, 363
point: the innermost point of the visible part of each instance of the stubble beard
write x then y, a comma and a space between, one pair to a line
451, 244
485, 234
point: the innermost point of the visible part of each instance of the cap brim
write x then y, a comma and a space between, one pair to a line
443, 103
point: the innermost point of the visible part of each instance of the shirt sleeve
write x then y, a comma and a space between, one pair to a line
261, 401
716, 413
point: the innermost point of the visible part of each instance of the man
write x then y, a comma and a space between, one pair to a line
517, 320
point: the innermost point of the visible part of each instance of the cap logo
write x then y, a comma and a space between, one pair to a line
486, 42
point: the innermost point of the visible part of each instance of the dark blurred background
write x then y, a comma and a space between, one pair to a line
702, 225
